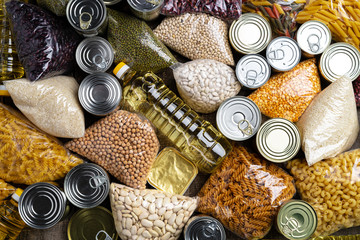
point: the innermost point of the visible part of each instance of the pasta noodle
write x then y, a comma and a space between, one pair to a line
6, 190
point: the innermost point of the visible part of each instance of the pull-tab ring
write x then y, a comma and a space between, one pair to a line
248, 130
85, 20
107, 237
251, 76
154, 2
210, 230
277, 54
99, 61
314, 45
97, 181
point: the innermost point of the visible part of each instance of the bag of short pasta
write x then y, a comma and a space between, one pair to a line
28, 155
245, 193
332, 187
6, 189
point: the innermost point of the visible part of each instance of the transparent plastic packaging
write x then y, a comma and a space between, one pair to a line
356, 86
5, 189
51, 104
329, 125
58, 7
123, 143
245, 193
332, 187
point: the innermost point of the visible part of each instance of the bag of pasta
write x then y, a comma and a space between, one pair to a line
332, 187
6, 189
245, 193
28, 155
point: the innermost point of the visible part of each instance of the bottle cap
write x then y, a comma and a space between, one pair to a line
120, 70
17, 194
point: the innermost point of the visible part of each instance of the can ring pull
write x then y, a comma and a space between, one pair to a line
97, 181
99, 61
107, 237
314, 42
85, 20
277, 54
248, 130
210, 230
251, 76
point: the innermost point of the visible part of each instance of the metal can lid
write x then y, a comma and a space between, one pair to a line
111, 2
42, 205
253, 71
238, 118
145, 5
205, 228
283, 53
296, 220
100, 93
313, 37
255, 42
340, 59
94, 54
86, 185
278, 140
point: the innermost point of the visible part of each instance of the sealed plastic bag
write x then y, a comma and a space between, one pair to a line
45, 43
6, 189
27, 155
332, 187
204, 84
149, 214
245, 193
356, 86
58, 7
287, 95
123, 143
136, 45
51, 104
329, 125
197, 36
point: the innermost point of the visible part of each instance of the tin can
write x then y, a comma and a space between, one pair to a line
88, 17
111, 2
42, 205
296, 220
313, 37
86, 185
251, 33
146, 9
94, 54
278, 140
100, 94
204, 228
283, 54
340, 59
238, 118
253, 71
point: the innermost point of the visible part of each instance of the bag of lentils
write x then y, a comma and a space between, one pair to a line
123, 143
204, 84
197, 36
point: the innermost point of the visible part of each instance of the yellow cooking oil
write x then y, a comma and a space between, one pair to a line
349, 237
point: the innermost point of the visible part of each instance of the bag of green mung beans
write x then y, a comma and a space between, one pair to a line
58, 7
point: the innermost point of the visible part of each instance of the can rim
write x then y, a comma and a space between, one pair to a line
133, 6
109, 3
202, 219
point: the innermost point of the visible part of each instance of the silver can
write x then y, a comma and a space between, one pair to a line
100, 94
42, 205
147, 10
340, 59
204, 228
251, 33
94, 54
283, 54
313, 38
111, 2
238, 118
86, 185
88, 17
253, 71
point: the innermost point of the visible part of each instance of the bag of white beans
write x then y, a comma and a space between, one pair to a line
205, 83
149, 214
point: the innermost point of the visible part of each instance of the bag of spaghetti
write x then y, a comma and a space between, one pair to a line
245, 193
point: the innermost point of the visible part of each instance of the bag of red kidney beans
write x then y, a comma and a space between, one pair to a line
45, 43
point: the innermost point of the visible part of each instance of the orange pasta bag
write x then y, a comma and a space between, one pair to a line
245, 193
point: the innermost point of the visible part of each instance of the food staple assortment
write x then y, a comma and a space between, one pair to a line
178, 119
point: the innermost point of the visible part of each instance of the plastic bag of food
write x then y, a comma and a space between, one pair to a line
6, 189
58, 7
245, 193
197, 36
149, 214
123, 143
356, 86
27, 155
224, 9
329, 125
51, 104
287, 95
204, 84
45, 43
280, 14
332, 187
135, 44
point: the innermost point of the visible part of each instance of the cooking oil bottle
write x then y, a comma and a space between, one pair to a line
11, 223
176, 122
349, 237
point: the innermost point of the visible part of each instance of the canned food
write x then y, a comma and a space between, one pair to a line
100, 94
86, 185
278, 140
146, 9
42, 205
296, 220
251, 33
313, 37
238, 118
204, 228
94, 54
111, 2
253, 71
88, 17
283, 53
340, 59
